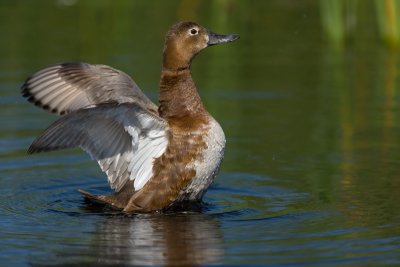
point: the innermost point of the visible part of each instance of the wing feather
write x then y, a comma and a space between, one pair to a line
67, 87
117, 136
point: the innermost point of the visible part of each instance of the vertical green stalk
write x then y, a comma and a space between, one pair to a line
387, 14
332, 19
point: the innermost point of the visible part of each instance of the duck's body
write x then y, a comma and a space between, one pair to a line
153, 156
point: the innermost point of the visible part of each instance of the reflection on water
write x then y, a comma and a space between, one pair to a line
182, 239
311, 172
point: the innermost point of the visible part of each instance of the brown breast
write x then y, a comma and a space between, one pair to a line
181, 106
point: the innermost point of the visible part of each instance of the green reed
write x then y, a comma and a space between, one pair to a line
343, 19
388, 18
332, 19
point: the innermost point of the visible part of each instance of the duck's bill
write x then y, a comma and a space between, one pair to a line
215, 38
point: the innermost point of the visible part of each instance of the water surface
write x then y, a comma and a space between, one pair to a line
311, 172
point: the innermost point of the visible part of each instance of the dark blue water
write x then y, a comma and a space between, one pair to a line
311, 172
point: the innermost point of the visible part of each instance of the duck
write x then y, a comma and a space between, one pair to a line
155, 156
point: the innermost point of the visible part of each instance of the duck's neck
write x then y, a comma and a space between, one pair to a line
179, 98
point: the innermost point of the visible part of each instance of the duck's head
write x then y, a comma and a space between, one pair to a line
186, 39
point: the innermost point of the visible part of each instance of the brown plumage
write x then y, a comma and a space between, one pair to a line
153, 156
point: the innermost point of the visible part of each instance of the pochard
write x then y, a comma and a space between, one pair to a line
155, 157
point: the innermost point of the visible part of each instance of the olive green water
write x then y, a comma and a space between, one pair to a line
311, 175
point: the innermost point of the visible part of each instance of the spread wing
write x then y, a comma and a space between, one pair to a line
123, 138
63, 88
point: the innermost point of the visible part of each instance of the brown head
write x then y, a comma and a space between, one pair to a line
186, 39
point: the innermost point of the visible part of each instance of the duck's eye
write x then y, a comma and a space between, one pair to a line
193, 31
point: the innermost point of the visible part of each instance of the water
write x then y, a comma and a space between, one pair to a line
311, 173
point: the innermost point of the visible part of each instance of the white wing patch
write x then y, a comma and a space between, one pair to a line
149, 144
141, 165
124, 139
149, 141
